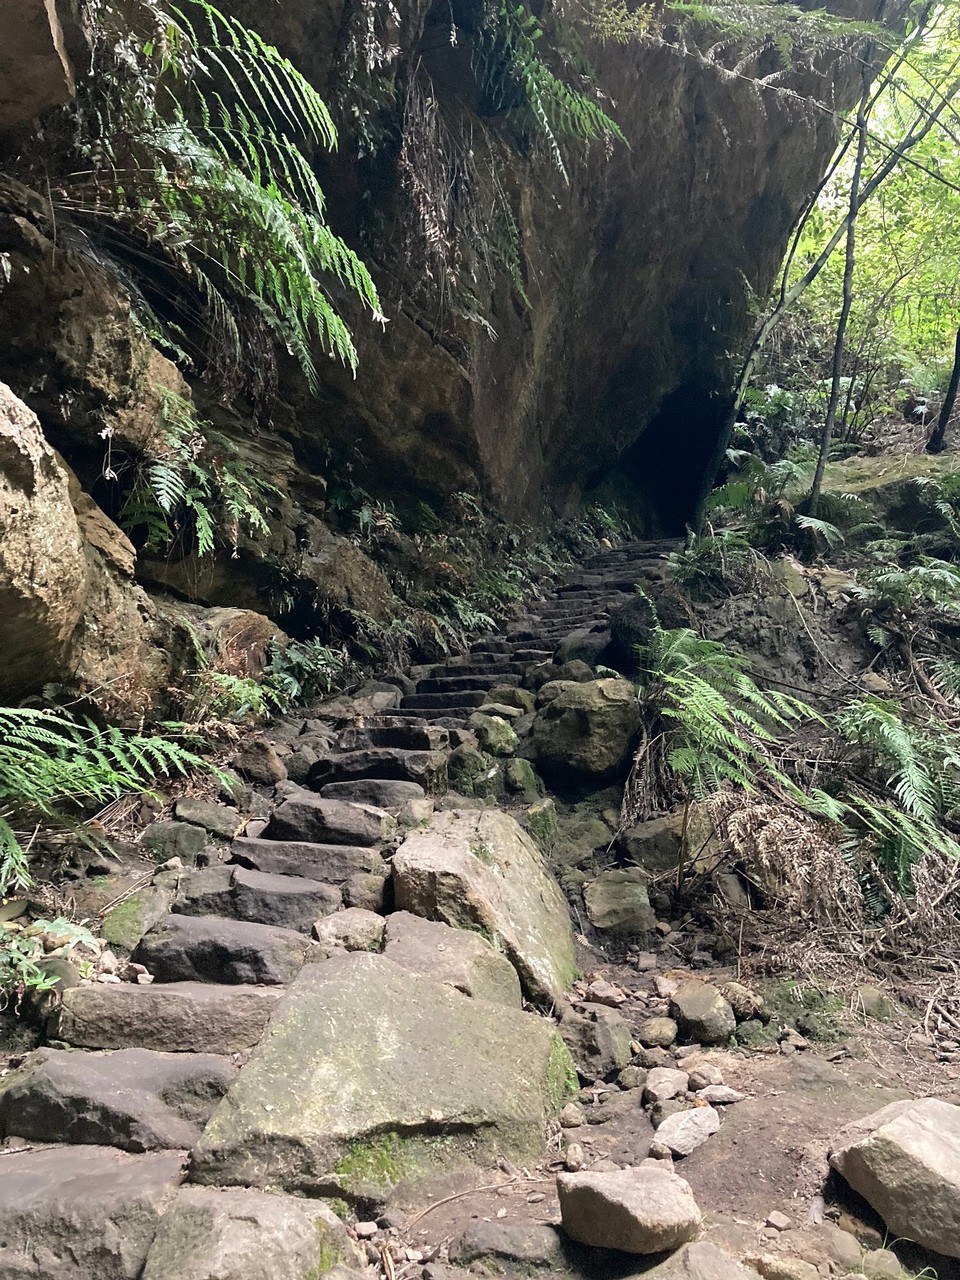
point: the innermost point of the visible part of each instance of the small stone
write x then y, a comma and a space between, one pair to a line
776, 1266
645, 1209
657, 1033
664, 1083
646, 961
632, 1078
874, 1003
684, 1132
704, 1075
571, 1117
881, 1264
603, 992
573, 1158
779, 1221
702, 1013
722, 1094
365, 1230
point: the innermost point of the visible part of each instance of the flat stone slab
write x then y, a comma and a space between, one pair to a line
307, 816
700, 1260
645, 1209
427, 768
183, 948
682, 1133
134, 1099
237, 1234
181, 1017
905, 1162
329, 863
288, 902
383, 793
458, 957
370, 1074
480, 869
83, 1213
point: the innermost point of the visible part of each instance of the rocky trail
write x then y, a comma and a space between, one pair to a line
345, 1018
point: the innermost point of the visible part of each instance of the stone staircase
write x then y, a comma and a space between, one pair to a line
222, 942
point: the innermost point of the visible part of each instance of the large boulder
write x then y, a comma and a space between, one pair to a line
617, 901
584, 732
478, 869
905, 1162
644, 1209
238, 1234
369, 1074
133, 1099
459, 957
82, 1213
35, 71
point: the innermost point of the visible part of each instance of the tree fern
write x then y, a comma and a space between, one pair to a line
720, 726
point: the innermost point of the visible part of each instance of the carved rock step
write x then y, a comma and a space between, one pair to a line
453, 684
134, 1099
459, 698
473, 665
307, 816
188, 948
328, 863
94, 1208
383, 793
289, 902
181, 1017
405, 737
427, 768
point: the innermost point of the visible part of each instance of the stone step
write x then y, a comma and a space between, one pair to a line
443, 715
495, 667
428, 701
453, 684
86, 1212
134, 1099
404, 737
179, 1017
306, 816
238, 893
427, 768
490, 644
531, 656
192, 948
329, 863
383, 793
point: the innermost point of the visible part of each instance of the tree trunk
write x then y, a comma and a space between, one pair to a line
839, 345
927, 116
935, 443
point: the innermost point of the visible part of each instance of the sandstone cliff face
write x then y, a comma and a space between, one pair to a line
641, 274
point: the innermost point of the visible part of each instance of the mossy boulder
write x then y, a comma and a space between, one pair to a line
520, 779
370, 1074
541, 821
471, 773
125, 924
508, 695
494, 734
584, 732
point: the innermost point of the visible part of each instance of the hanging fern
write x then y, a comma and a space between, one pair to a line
197, 133
512, 71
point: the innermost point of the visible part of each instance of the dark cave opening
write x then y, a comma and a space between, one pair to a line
665, 467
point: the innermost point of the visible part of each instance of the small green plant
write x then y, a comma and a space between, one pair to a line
721, 560
52, 765
193, 483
